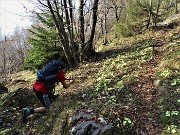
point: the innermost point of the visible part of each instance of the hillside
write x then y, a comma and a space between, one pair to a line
126, 83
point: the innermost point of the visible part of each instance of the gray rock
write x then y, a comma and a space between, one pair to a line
107, 129
80, 115
90, 127
86, 128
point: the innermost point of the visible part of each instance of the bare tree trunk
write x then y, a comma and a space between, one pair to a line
102, 29
106, 10
81, 29
149, 14
89, 50
157, 12
69, 19
105, 29
62, 34
4, 58
176, 6
115, 7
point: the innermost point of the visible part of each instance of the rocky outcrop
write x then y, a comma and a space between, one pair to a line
87, 124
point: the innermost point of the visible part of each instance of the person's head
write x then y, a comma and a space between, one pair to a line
62, 66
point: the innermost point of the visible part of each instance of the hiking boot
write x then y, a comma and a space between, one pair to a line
25, 113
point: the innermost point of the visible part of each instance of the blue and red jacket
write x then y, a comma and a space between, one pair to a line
39, 86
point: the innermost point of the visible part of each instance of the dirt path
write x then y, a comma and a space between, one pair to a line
146, 113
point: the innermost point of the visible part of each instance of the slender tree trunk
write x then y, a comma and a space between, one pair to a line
116, 13
102, 29
115, 8
75, 47
4, 58
105, 24
89, 50
149, 14
176, 6
62, 34
157, 12
69, 19
81, 29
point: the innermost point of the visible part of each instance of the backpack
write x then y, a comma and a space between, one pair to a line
48, 73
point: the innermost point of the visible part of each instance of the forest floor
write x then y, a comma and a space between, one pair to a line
131, 104
147, 93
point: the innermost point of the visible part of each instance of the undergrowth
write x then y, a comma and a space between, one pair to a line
107, 84
113, 80
168, 83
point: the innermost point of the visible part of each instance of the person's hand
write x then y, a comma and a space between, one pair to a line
72, 81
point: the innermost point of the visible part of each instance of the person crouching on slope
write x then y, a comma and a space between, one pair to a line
44, 95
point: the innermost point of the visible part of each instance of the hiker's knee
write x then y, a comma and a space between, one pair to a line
47, 101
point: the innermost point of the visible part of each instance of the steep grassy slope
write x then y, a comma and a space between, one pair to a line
127, 83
